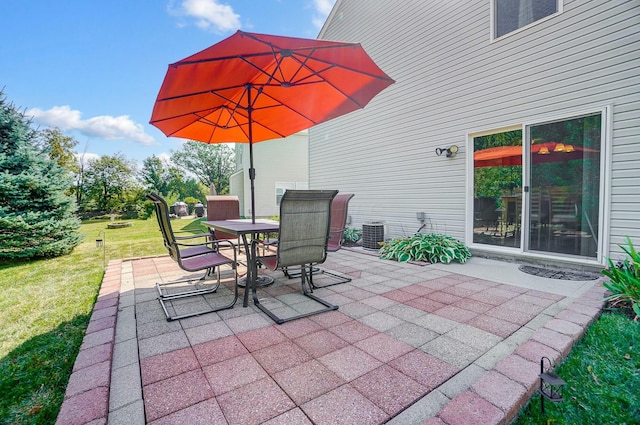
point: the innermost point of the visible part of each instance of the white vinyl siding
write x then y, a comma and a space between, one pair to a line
282, 187
279, 160
451, 80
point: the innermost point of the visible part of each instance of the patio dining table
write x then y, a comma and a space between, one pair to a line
244, 228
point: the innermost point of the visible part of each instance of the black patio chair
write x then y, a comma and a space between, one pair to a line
193, 253
304, 232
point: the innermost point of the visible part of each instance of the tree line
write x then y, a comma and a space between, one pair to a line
46, 186
114, 184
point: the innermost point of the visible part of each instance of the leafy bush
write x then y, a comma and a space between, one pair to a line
129, 215
352, 234
624, 279
146, 210
432, 247
191, 203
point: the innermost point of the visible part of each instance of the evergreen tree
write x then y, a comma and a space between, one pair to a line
36, 216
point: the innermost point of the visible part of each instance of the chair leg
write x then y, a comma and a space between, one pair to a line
308, 279
191, 292
341, 279
203, 291
305, 280
293, 273
317, 271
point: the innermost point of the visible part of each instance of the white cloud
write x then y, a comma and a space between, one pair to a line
165, 158
209, 14
322, 8
103, 126
86, 157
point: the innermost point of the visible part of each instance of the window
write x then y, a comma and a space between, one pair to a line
281, 188
511, 15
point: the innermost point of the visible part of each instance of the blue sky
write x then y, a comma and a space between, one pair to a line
93, 68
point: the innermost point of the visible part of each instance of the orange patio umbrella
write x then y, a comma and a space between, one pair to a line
254, 87
501, 156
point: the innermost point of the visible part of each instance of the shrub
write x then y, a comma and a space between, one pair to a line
432, 247
352, 234
191, 203
624, 279
146, 210
130, 215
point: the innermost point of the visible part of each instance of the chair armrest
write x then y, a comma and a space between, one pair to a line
267, 240
212, 246
229, 245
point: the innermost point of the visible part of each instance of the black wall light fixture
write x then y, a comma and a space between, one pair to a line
450, 152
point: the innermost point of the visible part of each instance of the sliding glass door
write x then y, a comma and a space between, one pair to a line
497, 177
564, 186
543, 194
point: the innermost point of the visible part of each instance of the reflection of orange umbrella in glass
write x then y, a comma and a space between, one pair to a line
254, 87
501, 156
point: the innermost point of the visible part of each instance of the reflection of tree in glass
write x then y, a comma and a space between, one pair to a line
581, 132
492, 182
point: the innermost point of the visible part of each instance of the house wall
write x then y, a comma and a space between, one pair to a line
452, 80
236, 183
279, 160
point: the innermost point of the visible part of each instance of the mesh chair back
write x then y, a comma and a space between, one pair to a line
162, 214
304, 226
339, 208
223, 207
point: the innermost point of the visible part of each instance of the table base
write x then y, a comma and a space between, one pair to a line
262, 281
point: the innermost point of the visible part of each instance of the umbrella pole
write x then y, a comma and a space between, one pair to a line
252, 177
252, 171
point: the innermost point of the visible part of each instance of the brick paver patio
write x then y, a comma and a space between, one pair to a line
409, 344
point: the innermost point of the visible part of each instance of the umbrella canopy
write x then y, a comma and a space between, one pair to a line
254, 87
540, 153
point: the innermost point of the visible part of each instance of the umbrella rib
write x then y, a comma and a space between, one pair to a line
239, 125
203, 119
337, 65
303, 64
260, 92
173, 117
199, 93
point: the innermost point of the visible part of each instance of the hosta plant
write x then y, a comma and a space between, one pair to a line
432, 247
352, 234
624, 279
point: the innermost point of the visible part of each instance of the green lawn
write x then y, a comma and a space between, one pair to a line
45, 307
603, 378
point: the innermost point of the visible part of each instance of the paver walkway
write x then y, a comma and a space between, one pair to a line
410, 344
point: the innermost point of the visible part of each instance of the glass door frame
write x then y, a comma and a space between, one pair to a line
603, 236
